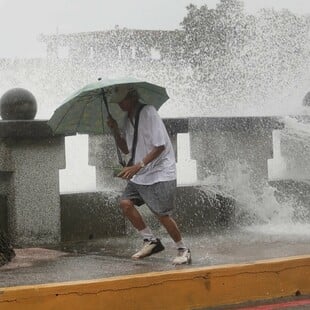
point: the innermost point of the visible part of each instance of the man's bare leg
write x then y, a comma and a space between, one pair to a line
132, 214
171, 227
152, 245
184, 254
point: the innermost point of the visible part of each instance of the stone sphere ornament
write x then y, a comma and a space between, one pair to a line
18, 104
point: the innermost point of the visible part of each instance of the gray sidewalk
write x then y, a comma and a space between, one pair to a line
111, 256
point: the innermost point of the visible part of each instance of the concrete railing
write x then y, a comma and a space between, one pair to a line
214, 142
30, 159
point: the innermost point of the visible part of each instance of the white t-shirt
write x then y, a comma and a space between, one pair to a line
151, 133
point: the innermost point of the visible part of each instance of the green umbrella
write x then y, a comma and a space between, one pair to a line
86, 110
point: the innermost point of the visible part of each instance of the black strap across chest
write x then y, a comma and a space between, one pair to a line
135, 136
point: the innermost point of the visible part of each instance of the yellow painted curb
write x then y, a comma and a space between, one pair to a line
179, 289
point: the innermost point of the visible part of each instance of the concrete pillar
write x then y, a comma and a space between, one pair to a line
277, 166
291, 154
103, 155
175, 126
186, 167
30, 159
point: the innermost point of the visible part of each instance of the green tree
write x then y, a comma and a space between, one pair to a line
213, 33
244, 58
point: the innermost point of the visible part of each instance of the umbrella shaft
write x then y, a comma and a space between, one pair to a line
106, 103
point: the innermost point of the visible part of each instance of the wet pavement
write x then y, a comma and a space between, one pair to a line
109, 257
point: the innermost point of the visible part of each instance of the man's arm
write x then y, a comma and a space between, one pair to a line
129, 172
120, 140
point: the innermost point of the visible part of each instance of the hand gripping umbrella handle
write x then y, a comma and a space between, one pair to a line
119, 156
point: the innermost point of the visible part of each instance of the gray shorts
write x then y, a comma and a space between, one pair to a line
159, 197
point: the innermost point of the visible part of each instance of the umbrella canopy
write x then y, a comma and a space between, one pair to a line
86, 110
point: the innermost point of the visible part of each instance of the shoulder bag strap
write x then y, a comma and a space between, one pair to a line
135, 135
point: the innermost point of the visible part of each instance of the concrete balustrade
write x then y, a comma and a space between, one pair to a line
218, 141
30, 159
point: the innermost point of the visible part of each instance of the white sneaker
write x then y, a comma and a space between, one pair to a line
183, 257
150, 247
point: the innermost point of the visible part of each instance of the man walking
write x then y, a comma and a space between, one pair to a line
151, 175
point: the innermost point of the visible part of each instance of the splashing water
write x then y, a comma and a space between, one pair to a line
255, 81
261, 213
